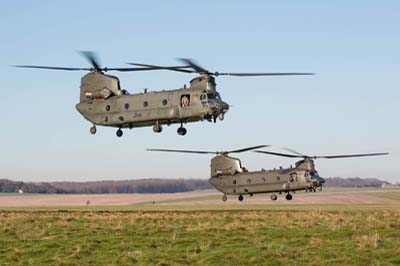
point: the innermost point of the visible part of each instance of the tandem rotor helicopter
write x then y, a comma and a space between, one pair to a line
231, 178
104, 103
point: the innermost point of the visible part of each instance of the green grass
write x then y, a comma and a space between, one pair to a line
204, 235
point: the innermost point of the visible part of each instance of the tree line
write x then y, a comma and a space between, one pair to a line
148, 185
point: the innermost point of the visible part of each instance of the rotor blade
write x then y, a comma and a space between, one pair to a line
247, 149
92, 58
350, 155
56, 68
195, 66
122, 69
172, 68
261, 74
280, 154
183, 151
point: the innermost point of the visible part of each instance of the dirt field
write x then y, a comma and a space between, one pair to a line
211, 197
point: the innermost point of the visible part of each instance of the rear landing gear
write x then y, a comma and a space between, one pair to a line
274, 197
93, 130
157, 128
119, 133
289, 196
240, 198
182, 131
224, 198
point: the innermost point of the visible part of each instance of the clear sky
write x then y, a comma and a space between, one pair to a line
352, 105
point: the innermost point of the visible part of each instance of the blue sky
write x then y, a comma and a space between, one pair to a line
350, 106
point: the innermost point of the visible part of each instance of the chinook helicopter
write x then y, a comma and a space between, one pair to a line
231, 178
104, 103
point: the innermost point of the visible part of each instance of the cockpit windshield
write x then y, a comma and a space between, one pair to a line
213, 96
314, 173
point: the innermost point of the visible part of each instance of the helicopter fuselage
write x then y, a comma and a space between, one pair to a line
104, 103
229, 177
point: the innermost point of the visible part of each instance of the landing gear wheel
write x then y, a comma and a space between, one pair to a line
157, 128
240, 198
93, 130
289, 196
224, 198
119, 133
274, 197
181, 131
221, 116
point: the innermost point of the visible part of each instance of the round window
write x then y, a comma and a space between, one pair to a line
126, 106
146, 103
165, 102
278, 178
108, 108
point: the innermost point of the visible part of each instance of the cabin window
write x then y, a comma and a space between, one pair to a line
108, 108
249, 181
145, 103
185, 100
126, 106
203, 97
121, 118
263, 179
278, 178
165, 102
246, 190
234, 182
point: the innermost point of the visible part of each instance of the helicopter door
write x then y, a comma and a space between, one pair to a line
204, 100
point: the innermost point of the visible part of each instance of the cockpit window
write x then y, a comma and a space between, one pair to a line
213, 96
314, 173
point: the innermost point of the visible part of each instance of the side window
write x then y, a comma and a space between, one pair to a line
203, 97
185, 100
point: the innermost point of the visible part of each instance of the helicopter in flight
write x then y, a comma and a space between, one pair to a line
104, 103
231, 178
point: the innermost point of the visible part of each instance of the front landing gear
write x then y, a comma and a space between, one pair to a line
289, 196
182, 131
93, 130
224, 198
240, 198
119, 133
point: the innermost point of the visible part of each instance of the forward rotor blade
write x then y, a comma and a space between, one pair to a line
247, 149
92, 58
183, 151
195, 66
280, 154
56, 68
262, 74
172, 68
350, 155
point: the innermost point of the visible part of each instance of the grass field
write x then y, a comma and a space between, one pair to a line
168, 233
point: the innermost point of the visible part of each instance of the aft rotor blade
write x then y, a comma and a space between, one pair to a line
280, 154
57, 68
195, 66
350, 155
172, 68
183, 151
247, 149
92, 58
262, 74
105, 69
